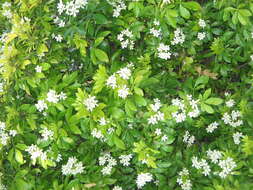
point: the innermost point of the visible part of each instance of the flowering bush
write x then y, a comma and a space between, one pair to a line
123, 95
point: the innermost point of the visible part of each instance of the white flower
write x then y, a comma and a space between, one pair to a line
152, 120
125, 159
251, 57
158, 131
227, 94
214, 155
52, 96
230, 103
47, 134
60, 7
156, 106
59, 158
124, 73
126, 39
97, 133
111, 82
201, 35
2, 126
38, 69
142, 179
35, 152
164, 51
107, 170
183, 180
6, 5
155, 33
156, 23
7, 13
41, 105
58, 38
72, 167
236, 137
179, 117
179, 37
188, 139
13, 133
4, 137
227, 167
202, 23
102, 121
210, 128
117, 188
62, 96
123, 92
164, 138
110, 130
90, 103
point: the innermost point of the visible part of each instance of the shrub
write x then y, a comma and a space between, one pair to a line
115, 94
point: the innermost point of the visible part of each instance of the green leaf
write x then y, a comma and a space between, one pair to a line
139, 100
201, 80
119, 143
100, 78
100, 19
214, 101
98, 41
207, 108
101, 55
184, 12
207, 93
242, 19
19, 157
193, 5
245, 12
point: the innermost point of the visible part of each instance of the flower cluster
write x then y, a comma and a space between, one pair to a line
117, 188
156, 31
211, 127
202, 164
72, 167
183, 180
47, 134
164, 51
109, 160
97, 134
179, 37
90, 102
232, 119
71, 8
125, 74
7, 10
118, 6
187, 138
52, 97
35, 152
237, 137
142, 179
5, 135
125, 159
57, 37
186, 108
214, 155
201, 35
126, 39
158, 116
227, 167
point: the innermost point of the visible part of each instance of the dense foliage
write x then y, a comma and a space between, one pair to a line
123, 95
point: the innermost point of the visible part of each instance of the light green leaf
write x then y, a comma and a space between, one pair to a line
214, 101
101, 55
184, 12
